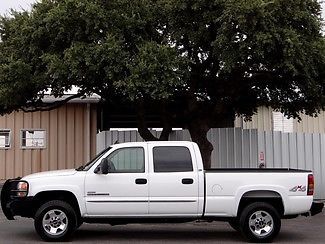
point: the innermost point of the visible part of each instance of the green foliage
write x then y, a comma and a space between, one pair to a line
217, 57
106, 47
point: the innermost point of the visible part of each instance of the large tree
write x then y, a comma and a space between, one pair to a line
201, 61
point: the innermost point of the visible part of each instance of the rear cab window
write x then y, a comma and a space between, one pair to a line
172, 159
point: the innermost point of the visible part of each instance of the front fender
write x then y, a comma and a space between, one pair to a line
77, 189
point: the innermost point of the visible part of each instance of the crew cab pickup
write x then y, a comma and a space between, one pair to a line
154, 182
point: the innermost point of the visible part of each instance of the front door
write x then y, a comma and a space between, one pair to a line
124, 190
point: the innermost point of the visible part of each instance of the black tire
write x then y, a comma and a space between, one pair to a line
55, 208
234, 223
262, 215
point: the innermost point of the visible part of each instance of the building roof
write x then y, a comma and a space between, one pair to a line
94, 98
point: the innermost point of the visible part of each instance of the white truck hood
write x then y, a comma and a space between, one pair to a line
55, 173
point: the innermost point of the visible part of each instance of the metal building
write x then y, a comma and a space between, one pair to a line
48, 140
268, 120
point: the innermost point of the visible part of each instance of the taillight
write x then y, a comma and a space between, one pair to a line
310, 190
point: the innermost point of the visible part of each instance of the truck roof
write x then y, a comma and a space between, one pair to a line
158, 143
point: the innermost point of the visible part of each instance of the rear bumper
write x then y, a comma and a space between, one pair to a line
316, 208
12, 205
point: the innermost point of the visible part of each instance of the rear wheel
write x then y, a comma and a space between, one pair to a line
55, 221
260, 222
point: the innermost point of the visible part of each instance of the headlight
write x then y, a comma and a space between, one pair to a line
22, 189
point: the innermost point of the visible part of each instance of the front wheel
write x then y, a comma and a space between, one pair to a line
55, 221
260, 222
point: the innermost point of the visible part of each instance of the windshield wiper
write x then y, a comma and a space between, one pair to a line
80, 168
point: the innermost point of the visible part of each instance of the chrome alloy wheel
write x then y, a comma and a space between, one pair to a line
261, 223
55, 222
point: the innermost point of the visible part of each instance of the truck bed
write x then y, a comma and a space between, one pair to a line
257, 170
225, 188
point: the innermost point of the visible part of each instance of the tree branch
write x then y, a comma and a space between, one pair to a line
48, 106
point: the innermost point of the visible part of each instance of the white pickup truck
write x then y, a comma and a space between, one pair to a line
154, 182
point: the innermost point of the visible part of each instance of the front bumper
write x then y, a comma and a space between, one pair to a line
11, 204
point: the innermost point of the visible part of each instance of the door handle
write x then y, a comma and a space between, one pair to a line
141, 181
187, 181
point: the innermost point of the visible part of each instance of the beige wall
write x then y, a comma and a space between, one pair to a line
262, 120
310, 124
70, 140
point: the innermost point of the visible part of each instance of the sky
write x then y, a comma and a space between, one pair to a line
5, 5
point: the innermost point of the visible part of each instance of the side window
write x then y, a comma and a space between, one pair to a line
172, 159
127, 160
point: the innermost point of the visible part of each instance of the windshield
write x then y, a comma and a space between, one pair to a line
91, 163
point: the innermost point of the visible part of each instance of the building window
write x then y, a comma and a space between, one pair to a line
282, 123
5, 139
33, 138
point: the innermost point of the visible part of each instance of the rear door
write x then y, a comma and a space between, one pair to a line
173, 177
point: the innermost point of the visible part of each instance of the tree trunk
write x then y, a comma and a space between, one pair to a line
143, 128
142, 125
199, 131
166, 122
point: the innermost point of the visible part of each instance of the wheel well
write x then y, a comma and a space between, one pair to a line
270, 197
65, 196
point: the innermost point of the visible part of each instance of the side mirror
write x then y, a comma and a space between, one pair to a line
103, 167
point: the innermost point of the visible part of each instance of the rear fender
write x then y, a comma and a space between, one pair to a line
259, 192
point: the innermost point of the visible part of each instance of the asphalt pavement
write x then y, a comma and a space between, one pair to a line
299, 230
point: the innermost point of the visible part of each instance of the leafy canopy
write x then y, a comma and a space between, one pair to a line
215, 56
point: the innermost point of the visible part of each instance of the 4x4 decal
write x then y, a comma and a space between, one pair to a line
298, 188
